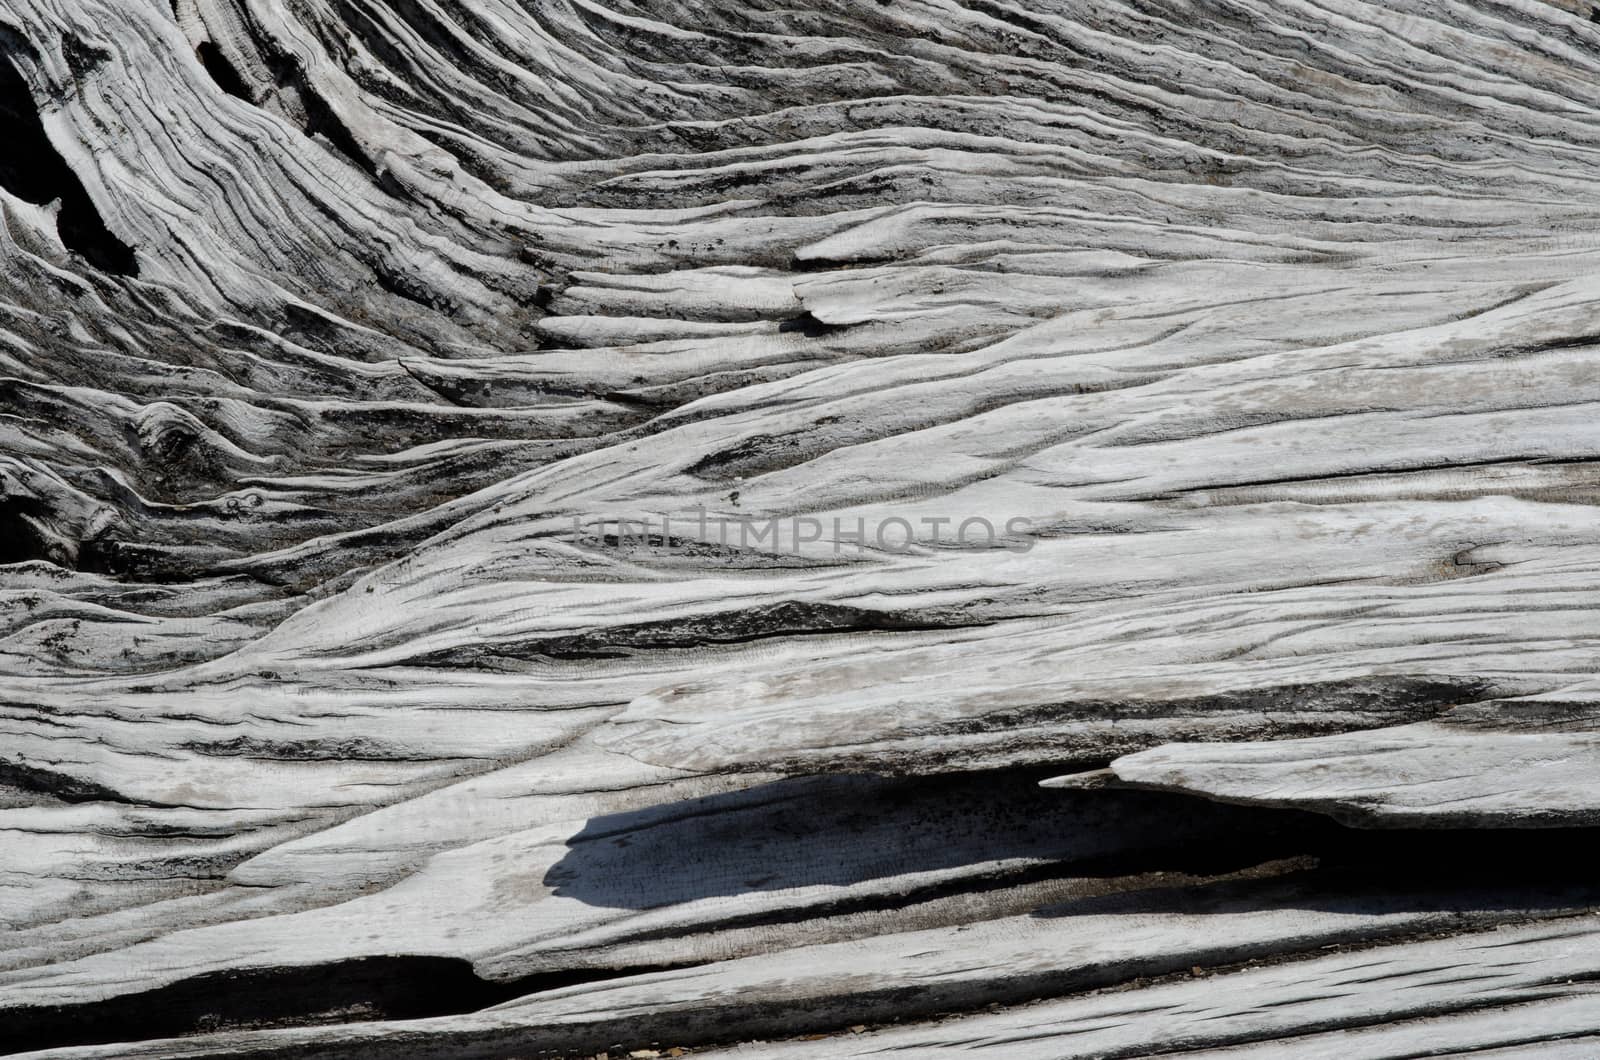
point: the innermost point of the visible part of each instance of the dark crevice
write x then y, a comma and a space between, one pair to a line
799, 264
412, 290
320, 118
1388, 699
348, 749
356, 990
744, 455
634, 401
139, 561
1090, 733
1360, 473
82, 59
55, 785
32, 169
21, 540
810, 326
790, 618
222, 71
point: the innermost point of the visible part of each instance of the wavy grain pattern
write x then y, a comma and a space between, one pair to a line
339, 718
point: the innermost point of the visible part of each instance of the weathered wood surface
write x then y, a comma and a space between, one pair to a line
332, 335
1515, 992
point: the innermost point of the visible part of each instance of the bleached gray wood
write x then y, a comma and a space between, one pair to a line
1272, 323
1521, 990
1062, 948
1529, 764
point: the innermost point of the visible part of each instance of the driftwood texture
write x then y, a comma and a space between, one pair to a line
339, 718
